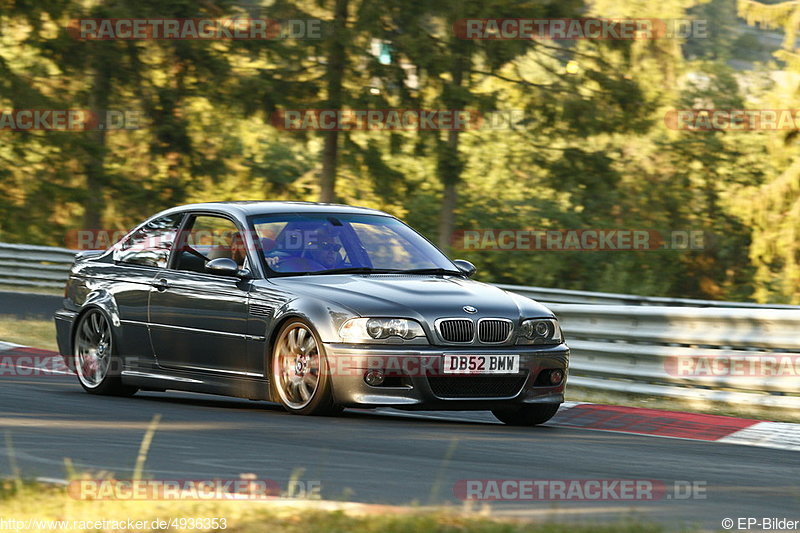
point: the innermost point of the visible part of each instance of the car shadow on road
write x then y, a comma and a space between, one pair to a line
189, 399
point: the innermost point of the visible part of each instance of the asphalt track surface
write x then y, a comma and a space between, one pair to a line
29, 305
383, 457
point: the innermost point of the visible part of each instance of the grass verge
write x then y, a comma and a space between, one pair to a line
36, 333
32, 289
46, 503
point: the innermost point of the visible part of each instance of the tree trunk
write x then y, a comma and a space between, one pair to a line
449, 161
335, 74
96, 152
450, 175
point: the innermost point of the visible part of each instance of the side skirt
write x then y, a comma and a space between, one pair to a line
161, 379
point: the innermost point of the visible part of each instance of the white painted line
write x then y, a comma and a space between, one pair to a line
44, 371
5, 346
52, 480
780, 435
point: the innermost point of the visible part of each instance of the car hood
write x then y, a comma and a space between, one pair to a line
425, 297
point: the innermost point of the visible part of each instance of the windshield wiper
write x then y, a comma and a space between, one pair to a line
432, 271
368, 270
353, 270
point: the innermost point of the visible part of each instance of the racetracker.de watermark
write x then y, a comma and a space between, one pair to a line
245, 488
732, 119
735, 365
566, 29
203, 29
190, 523
27, 362
578, 490
103, 239
575, 240
394, 119
71, 120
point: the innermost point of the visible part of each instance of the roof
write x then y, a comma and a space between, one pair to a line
261, 207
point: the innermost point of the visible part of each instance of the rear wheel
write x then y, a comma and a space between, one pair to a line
527, 415
299, 374
95, 364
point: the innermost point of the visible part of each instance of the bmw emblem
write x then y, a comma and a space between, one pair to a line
469, 309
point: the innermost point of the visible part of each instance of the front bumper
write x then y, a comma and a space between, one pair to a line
413, 375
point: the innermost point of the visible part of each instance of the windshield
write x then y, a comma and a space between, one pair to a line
320, 243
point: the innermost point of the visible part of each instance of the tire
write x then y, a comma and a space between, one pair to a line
95, 358
299, 375
527, 415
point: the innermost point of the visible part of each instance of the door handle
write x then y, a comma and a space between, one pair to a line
161, 284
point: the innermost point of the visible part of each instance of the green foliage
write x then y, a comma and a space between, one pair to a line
771, 207
589, 148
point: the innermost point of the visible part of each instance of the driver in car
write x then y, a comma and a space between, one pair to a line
325, 251
238, 249
319, 251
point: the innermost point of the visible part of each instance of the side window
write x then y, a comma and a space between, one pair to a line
150, 245
210, 237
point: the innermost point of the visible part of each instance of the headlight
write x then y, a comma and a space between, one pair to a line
367, 329
541, 331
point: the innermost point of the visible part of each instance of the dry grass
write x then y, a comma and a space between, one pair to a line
36, 333
32, 289
47, 503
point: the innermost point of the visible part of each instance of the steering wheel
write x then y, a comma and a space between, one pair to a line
297, 264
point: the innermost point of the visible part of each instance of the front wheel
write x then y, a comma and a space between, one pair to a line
299, 374
95, 363
527, 415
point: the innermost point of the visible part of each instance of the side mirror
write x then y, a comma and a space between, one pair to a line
466, 267
223, 266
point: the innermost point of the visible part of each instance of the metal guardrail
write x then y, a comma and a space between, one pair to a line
732, 356
26, 265
619, 342
564, 296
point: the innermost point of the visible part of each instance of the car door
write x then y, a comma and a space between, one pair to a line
137, 260
198, 321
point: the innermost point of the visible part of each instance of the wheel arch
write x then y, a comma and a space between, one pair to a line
323, 317
104, 301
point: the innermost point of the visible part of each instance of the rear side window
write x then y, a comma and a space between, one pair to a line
150, 245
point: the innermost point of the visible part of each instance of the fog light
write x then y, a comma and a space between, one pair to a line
556, 377
374, 378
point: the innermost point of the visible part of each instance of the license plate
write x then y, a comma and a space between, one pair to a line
481, 364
